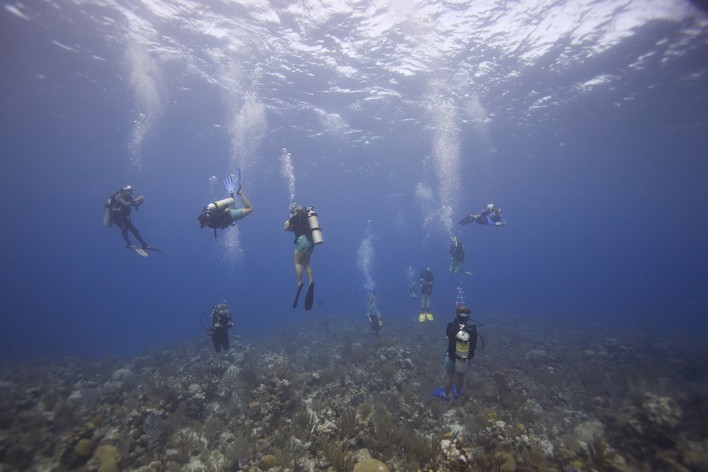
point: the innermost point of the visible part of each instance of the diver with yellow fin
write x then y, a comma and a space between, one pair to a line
426, 290
223, 213
304, 222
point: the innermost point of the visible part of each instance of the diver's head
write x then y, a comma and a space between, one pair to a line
294, 208
222, 308
127, 189
463, 313
454, 240
490, 206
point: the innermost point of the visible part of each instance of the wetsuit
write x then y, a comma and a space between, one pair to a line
303, 234
121, 206
426, 282
220, 324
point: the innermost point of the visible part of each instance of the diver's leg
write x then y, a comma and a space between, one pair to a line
130, 226
124, 233
120, 223
449, 373
215, 340
225, 340
298, 268
460, 383
247, 207
308, 267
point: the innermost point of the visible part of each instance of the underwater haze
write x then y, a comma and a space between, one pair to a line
585, 121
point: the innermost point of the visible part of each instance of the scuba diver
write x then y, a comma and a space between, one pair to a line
117, 211
412, 285
426, 289
461, 346
373, 314
457, 257
223, 213
220, 324
305, 224
490, 216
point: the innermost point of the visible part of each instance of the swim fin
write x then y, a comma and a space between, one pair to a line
229, 184
421, 317
440, 392
455, 393
310, 296
139, 251
297, 295
468, 219
237, 180
150, 248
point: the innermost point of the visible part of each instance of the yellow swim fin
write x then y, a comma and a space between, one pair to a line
429, 316
421, 317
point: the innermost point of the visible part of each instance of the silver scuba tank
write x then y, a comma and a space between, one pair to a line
462, 351
107, 219
314, 223
221, 204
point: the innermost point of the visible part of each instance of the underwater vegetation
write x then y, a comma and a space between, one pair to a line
538, 398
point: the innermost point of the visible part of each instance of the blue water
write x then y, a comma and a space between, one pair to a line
594, 146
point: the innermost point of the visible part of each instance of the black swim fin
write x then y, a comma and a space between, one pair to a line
467, 219
297, 295
310, 297
150, 248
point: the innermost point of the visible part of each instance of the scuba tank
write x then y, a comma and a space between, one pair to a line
221, 205
314, 223
107, 219
462, 351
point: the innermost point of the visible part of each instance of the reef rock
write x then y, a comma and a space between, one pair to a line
370, 465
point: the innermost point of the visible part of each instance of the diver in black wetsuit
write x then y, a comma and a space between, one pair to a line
426, 289
373, 313
461, 345
490, 216
220, 324
119, 206
457, 256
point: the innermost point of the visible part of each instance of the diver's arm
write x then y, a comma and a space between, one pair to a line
122, 200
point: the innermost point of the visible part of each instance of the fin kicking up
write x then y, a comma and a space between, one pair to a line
232, 182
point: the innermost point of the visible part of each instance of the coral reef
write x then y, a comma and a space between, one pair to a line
538, 398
